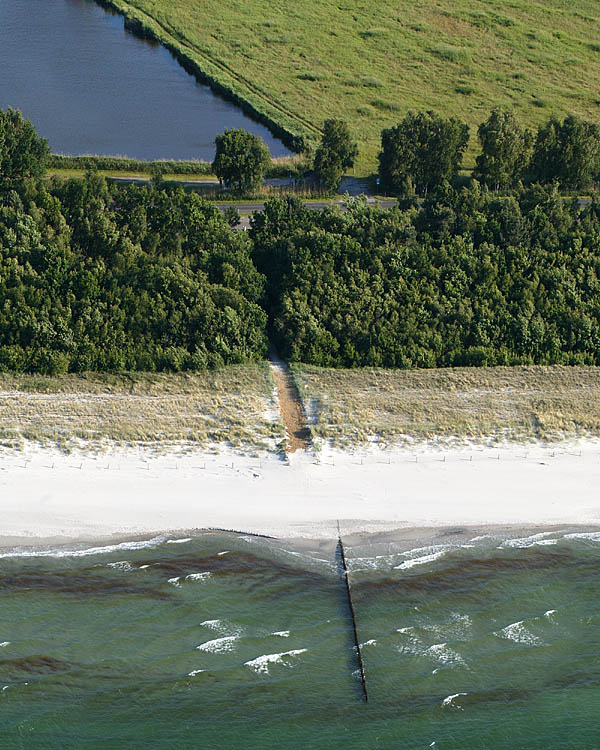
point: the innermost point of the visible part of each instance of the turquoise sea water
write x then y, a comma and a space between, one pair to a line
231, 641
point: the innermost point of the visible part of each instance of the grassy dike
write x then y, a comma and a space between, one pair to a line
292, 65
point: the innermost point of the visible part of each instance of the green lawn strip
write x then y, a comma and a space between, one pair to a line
118, 174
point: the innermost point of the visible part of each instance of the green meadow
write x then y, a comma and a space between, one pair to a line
369, 63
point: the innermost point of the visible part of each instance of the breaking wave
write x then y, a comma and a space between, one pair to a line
261, 664
449, 701
219, 645
445, 655
518, 633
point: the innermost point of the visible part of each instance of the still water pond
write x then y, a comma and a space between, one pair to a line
91, 87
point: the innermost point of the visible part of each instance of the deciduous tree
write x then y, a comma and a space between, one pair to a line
336, 153
505, 150
22, 153
424, 148
568, 152
241, 160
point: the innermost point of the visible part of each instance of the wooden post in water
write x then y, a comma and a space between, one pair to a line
361, 666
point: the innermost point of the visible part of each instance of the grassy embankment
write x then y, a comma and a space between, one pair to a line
175, 171
349, 407
229, 405
297, 64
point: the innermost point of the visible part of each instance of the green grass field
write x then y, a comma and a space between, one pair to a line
300, 63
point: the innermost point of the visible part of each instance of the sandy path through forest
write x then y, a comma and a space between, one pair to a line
290, 405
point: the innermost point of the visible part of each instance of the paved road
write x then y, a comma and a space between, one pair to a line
351, 185
249, 208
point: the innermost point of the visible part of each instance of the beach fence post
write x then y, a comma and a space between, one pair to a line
361, 666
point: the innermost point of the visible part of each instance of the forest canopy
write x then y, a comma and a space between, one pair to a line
95, 276
136, 279
468, 278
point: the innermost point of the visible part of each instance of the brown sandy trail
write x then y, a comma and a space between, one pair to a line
290, 405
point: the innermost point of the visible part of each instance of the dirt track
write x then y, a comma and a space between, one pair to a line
290, 405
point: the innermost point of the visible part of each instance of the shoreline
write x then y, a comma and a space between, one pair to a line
49, 497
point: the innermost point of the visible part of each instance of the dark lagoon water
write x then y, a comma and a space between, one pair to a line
227, 641
91, 87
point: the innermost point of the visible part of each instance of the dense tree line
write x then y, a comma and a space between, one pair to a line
141, 280
148, 279
99, 277
93, 278
468, 278
425, 150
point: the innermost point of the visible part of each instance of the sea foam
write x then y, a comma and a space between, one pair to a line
222, 626
449, 701
457, 628
529, 541
261, 664
121, 565
591, 536
198, 576
219, 645
518, 633
213, 624
446, 655
420, 560
154, 542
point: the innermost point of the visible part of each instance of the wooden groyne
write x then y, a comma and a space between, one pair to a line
361, 666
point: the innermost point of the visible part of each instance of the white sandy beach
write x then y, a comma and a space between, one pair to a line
49, 495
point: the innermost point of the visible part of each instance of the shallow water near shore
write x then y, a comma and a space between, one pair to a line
90, 87
226, 640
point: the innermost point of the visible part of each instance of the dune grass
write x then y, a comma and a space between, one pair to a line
350, 407
233, 405
300, 63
